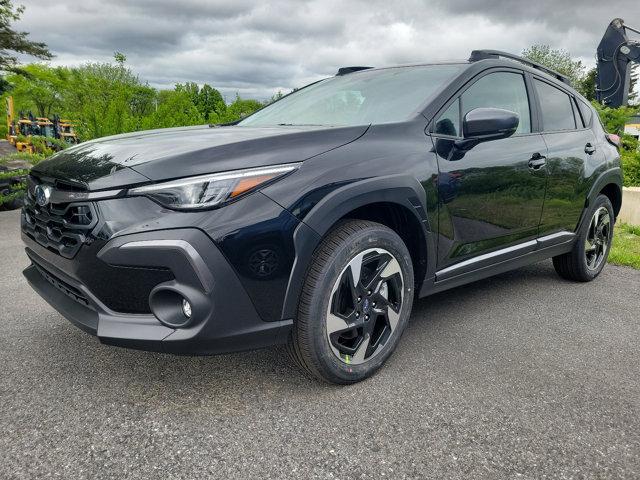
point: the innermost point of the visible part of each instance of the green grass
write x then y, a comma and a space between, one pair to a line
626, 246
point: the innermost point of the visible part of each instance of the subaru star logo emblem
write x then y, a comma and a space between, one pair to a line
42, 194
365, 306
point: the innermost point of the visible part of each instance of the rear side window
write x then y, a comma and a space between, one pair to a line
500, 90
557, 112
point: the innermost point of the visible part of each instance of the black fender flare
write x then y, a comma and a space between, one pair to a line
611, 176
402, 190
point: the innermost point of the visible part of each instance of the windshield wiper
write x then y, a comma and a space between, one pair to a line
299, 125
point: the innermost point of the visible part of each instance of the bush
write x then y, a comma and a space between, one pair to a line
630, 167
32, 158
614, 120
47, 146
16, 189
630, 158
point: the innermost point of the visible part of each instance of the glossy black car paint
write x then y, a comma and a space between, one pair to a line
464, 213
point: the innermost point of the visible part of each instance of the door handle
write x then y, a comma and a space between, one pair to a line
589, 149
537, 161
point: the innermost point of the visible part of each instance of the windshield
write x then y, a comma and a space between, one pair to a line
47, 130
376, 96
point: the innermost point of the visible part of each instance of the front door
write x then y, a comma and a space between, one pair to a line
491, 196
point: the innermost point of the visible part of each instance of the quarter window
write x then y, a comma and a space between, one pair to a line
449, 122
500, 90
587, 113
557, 112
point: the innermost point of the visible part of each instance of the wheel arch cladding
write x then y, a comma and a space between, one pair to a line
614, 192
397, 202
608, 183
403, 222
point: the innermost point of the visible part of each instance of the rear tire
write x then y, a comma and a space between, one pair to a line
591, 249
347, 328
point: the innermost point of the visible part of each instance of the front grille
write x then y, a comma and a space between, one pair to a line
121, 289
61, 228
64, 287
126, 289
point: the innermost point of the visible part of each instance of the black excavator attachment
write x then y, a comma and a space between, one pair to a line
615, 57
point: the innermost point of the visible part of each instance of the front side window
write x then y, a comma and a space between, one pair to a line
557, 112
500, 90
362, 98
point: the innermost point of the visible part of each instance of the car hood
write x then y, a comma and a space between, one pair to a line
155, 155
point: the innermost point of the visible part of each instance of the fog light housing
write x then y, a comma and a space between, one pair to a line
186, 308
176, 306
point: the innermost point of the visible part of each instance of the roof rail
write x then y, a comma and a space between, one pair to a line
478, 55
348, 70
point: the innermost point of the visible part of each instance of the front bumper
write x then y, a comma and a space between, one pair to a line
224, 318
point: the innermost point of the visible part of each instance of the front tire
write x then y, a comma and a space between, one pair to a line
355, 303
591, 249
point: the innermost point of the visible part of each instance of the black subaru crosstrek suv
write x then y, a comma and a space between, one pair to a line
317, 220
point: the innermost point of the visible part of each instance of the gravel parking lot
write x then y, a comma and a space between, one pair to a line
523, 375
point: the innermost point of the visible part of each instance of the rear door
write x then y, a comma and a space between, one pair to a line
490, 196
572, 152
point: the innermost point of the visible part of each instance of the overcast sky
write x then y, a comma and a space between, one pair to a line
259, 47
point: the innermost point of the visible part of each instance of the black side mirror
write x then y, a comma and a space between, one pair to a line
486, 124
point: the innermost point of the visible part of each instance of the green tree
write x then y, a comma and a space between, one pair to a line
207, 99
558, 60
274, 98
143, 100
99, 96
13, 41
120, 58
175, 109
240, 108
210, 102
40, 90
587, 86
190, 88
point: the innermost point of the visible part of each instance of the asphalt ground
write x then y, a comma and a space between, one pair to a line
523, 375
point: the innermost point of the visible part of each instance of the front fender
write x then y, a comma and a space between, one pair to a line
401, 190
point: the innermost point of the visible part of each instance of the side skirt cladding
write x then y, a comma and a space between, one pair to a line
500, 261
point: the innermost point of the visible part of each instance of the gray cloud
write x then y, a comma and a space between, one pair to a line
259, 47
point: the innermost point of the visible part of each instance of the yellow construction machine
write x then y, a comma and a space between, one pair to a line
28, 126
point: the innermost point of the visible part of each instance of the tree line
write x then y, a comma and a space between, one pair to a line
108, 98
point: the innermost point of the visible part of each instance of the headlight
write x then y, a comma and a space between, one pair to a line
206, 191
